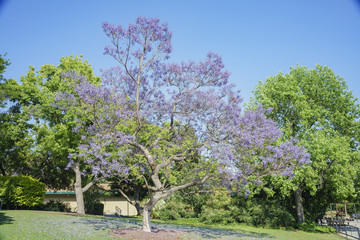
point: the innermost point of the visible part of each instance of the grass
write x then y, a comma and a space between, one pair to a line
46, 225
267, 233
50, 225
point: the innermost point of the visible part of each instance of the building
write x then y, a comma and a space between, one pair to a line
110, 203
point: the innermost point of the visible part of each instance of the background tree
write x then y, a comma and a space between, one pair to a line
3, 64
182, 100
15, 138
315, 106
53, 132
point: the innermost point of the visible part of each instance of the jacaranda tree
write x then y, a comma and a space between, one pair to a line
173, 125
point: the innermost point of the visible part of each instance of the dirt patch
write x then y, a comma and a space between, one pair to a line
139, 234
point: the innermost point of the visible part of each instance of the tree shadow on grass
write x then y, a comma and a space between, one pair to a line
107, 223
214, 233
4, 219
199, 232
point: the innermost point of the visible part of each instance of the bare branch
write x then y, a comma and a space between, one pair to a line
93, 181
126, 197
156, 142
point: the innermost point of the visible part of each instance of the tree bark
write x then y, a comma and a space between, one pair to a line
299, 206
157, 195
146, 219
154, 198
78, 190
137, 205
139, 209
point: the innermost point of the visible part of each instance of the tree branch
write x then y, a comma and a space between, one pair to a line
95, 179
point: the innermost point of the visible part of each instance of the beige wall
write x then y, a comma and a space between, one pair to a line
109, 203
126, 208
65, 198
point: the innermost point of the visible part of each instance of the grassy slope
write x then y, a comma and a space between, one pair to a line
265, 232
46, 225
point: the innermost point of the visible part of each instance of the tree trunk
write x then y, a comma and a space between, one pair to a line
299, 206
78, 190
139, 209
154, 198
146, 218
137, 205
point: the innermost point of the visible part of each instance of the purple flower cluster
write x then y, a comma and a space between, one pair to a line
138, 41
255, 149
99, 112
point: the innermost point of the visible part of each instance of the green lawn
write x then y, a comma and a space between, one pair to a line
266, 233
48, 225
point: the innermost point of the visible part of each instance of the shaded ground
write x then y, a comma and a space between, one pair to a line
36, 225
132, 230
5, 219
139, 234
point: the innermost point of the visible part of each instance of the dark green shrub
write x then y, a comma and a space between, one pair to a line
56, 206
92, 202
312, 227
211, 216
195, 201
168, 214
21, 191
96, 208
278, 216
172, 210
257, 215
270, 213
219, 209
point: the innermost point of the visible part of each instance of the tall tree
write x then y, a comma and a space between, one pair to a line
3, 65
315, 106
54, 135
195, 111
15, 139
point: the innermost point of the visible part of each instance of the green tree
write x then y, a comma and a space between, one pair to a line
316, 107
53, 132
15, 139
3, 64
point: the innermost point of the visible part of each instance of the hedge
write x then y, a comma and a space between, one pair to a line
21, 191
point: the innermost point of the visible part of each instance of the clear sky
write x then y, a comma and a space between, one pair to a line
256, 38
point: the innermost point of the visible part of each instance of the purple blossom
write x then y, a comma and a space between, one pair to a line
191, 103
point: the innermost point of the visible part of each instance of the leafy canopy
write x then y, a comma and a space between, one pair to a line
316, 106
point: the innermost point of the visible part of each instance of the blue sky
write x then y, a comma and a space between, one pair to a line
256, 38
